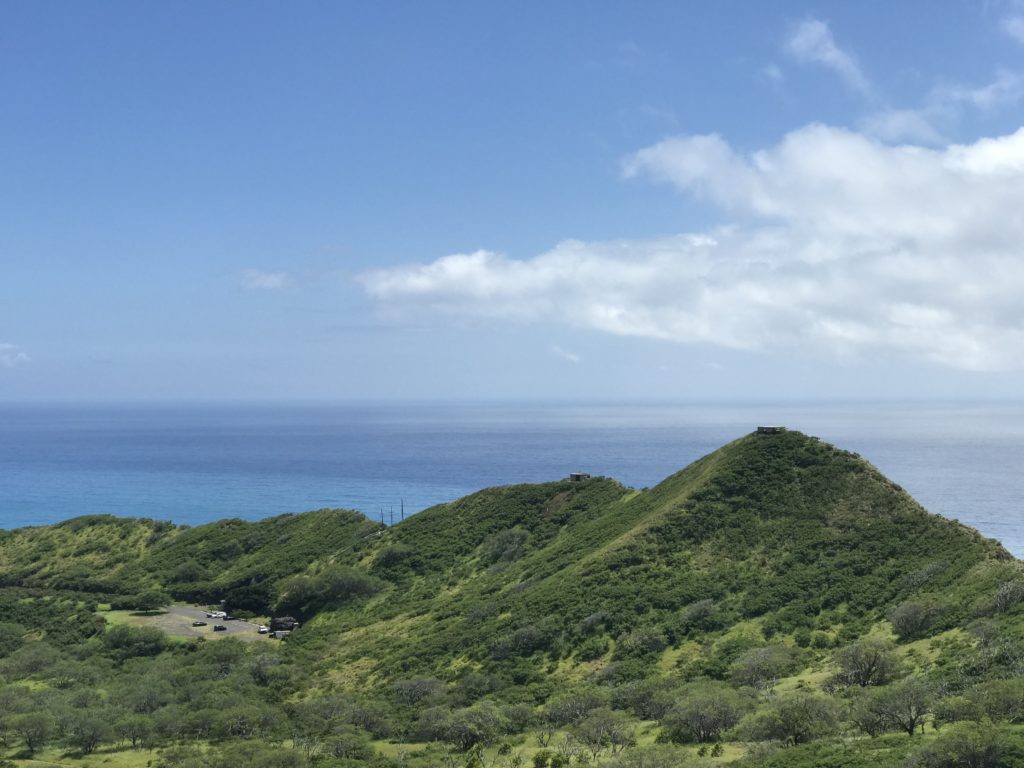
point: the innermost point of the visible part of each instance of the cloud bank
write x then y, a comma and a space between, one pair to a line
839, 244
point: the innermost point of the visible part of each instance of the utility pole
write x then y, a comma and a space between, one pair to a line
403, 510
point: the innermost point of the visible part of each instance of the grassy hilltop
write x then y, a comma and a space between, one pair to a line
778, 602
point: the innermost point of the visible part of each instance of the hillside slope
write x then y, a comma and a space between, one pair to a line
778, 602
782, 532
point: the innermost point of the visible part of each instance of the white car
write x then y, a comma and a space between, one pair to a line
263, 629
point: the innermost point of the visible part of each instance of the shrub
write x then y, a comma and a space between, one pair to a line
505, 546
955, 709
648, 699
593, 623
330, 588
703, 713
592, 648
902, 706
124, 642
603, 728
1009, 594
574, 706
968, 747
414, 691
867, 662
1000, 700
640, 643
702, 615
911, 619
792, 719
393, 557
761, 667
480, 724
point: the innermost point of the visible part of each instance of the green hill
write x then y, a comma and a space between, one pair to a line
770, 603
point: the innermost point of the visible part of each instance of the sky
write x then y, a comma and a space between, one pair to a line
531, 200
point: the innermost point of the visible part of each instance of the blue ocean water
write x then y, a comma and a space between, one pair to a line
194, 464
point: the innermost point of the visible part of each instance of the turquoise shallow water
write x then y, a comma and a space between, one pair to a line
194, 464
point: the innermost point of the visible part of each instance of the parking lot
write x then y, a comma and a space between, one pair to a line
177, 620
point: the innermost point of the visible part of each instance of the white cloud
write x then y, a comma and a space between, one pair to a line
944, 106
257, 279
898, 125
1013, 25
1006, 90
571, 357
811, 42
11, 356
845, 246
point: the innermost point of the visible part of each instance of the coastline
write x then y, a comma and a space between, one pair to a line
199, 463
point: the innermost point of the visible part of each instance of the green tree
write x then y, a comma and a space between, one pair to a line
349, 742
88, 731
477, 725
1001, 700
34, 728
901, 706
604, 729
792, 719
133, 728
911, 619
151, 600
704, 712
867, 662
761, 667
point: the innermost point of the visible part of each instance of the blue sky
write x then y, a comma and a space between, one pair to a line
533, 200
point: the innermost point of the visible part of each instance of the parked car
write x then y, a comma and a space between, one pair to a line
219, 628
198, 623
263, 629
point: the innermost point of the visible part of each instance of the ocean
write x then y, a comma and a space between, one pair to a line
198, 463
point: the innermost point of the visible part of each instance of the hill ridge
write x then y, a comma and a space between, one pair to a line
749, 576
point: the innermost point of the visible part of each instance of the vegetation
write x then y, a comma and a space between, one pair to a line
777, 603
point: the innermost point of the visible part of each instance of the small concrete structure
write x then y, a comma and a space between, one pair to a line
770, 430
578, 477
